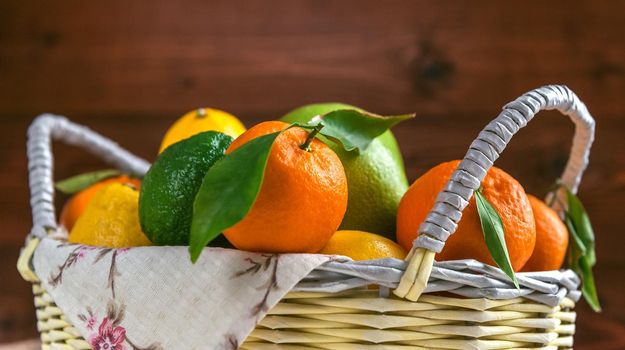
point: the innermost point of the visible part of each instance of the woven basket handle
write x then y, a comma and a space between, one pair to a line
442, 221
43, 130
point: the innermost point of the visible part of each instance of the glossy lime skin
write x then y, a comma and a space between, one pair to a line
168, 189
376, 177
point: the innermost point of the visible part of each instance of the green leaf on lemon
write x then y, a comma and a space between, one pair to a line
355, 129
493, 229
78, 183
581, 255
228, 191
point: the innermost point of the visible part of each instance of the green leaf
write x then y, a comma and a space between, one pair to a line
581, 255
356, 129
581, 221
228, 191
589, 290
592, 256
572, 257
579, 244
494, 236
78, 183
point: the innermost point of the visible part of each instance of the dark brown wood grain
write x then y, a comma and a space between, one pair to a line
128, 69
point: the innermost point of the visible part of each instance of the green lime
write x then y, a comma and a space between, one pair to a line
376, 177
168, 189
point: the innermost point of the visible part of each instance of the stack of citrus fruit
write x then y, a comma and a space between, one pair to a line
331, 185
534, 234
302, 199
74, 208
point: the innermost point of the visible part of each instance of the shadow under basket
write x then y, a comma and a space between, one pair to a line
377, 304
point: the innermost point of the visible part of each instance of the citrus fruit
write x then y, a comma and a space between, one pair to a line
169, 187
360, 245
376, 177
302, 198
199, 120
552, 238
76, 205
505, 194
110, 219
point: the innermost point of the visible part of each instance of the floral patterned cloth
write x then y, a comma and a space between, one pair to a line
153, 298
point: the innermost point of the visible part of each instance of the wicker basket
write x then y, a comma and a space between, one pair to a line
420, 303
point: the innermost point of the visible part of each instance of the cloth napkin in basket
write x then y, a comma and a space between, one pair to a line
155, 298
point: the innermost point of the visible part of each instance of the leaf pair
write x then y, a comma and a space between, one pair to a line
231, 185
581, 255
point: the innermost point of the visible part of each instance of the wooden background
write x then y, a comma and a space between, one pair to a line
128, 69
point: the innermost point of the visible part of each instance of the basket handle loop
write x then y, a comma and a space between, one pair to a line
43, 130
442, 220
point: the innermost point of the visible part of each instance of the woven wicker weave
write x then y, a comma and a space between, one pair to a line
333, 308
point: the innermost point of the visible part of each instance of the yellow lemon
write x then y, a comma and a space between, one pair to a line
200, 120
360, 245
111, 219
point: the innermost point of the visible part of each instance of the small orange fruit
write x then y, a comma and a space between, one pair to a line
302, 199
505, 194
552, 238
360, 245
76, 205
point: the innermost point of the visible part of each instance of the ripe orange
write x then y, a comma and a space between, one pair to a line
500, 189
552, 238
76, 205
302, 199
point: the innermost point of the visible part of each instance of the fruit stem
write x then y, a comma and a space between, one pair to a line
311, 136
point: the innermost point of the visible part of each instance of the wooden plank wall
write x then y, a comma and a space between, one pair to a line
127, 69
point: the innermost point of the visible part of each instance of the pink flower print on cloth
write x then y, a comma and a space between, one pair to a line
109, 337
